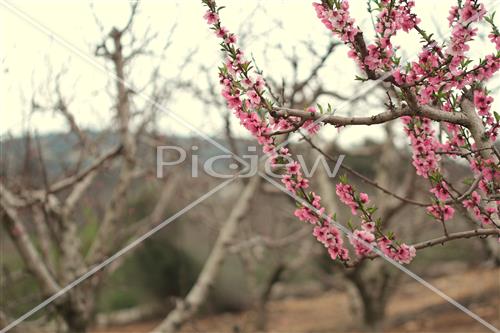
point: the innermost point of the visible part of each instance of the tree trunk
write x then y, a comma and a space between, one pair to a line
374, 284
190, 305
77, 309
261, 311
491, 245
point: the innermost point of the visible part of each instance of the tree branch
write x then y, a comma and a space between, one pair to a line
423, 111
440, 240
362, 177
27, 250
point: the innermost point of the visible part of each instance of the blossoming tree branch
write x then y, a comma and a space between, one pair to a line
443, 86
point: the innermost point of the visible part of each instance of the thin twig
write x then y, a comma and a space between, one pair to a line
364, 178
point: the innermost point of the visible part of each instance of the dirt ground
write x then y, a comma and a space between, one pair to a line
413, 308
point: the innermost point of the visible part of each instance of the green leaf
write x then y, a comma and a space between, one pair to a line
343, 179
468, 181
349, 224
320, 108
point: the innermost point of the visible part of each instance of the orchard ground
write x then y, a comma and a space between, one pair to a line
412, 309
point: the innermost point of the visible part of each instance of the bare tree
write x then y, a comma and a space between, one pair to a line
52, 251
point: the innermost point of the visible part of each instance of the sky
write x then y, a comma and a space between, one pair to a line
29, 58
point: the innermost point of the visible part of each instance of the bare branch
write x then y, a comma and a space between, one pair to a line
362, 177
383, 117
26, 248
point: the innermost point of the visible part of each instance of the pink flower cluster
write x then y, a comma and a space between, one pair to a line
345, 192
495, 39
363, 242
424, 144
473, 204
311, 126
338, 20
439, 78
307, 215
441, 191
483, 102
462, 32
461, 20
404, 254
394, 16
330, 237
488, 172
441, 211
369, 236
292, 123
244, 95
426, 163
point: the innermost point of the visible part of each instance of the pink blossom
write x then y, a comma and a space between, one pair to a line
482, 102
453, 15
247, 112
404, 254
362, 241
253, 97
221, 32
441, 191
443, 213
247, 83
495, 39
337, 20
211, 17
293, 168
321, 234
233, 102
259, 83
306, 215
439, 78
288, 182
368, 226
492, 210
345, 193
302, 183
311, 126
230, 39
474, 200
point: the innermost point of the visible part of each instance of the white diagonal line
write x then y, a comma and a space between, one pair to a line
115, 256
84, 56
396, 264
